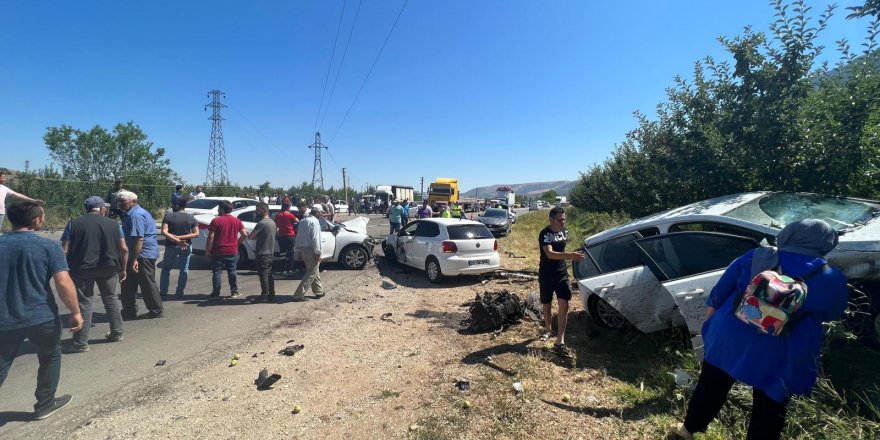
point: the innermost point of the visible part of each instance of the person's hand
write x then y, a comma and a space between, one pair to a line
76, 322
134, 266
122, 275
578, 255
207, 254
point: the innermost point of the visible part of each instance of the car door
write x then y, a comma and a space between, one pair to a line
405, 244
249, 220
424, 242
689, 264
328, 240
634, 292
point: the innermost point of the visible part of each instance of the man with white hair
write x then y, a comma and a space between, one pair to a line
96, 254
308, 246
143, 251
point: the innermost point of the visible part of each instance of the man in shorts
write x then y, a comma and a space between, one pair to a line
553, 276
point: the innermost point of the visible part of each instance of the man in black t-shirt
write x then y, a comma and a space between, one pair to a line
553, 276
179, 228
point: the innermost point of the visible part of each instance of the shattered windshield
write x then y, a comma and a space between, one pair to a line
779, 209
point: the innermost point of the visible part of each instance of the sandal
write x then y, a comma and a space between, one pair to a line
563, 350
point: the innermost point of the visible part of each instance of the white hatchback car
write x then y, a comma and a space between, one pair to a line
444, 247
346, 243
209, 205
341, 207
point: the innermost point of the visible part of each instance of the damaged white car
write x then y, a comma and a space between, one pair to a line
656, 272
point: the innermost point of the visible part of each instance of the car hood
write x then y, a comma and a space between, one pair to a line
863, 239
357, 225
492, 220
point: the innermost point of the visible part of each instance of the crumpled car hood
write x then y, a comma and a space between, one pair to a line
492, 220
358, 224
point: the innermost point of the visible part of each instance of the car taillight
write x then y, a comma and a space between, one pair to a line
495, 245
449, 247
202, 226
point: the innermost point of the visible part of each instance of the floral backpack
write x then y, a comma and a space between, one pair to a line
771, 300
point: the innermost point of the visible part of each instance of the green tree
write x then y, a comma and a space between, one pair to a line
549, 196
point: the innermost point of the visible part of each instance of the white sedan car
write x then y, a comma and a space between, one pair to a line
341, 207
209, 205
444, 247
656, 272
346, 243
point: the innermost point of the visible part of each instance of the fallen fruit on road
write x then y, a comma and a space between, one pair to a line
297, 409
466, 404
236, 357
233, 363
566, 397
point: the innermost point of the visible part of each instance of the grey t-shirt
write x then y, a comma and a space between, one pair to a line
179, 223
265, 231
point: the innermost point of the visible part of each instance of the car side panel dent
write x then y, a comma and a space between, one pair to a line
637, 295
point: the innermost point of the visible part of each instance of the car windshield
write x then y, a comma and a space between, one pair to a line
469, 232
203, 204
497, 213
779, 209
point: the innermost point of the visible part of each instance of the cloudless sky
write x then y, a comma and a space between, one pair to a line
488, 91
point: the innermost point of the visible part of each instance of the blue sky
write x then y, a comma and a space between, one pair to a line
495, 91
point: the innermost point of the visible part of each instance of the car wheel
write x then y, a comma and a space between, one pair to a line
432, 269
354, 257
607, 315
390, 255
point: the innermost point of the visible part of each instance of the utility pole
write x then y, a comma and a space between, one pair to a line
422, 190
345, 185
217, 173
318, 170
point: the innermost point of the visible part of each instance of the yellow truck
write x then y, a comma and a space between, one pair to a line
443, 190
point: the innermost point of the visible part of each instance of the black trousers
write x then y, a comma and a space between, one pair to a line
767, 419
267, 280
145, 278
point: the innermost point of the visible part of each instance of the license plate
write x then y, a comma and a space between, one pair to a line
478, 263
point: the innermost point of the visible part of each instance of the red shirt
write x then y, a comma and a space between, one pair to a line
285, 220
226, 231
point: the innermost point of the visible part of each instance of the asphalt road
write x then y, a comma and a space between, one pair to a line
190, 326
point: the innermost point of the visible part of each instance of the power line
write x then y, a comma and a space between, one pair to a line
341, 63
391, 31
332, 54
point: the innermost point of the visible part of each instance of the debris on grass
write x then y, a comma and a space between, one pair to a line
388, 285
463, 385
518, 387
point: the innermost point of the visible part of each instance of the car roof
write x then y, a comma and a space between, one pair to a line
696, 211
231, 199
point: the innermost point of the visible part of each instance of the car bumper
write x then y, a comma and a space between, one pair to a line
459, 265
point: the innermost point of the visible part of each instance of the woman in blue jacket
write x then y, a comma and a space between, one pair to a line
776, 367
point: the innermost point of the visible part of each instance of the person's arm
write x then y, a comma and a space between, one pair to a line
242, 235
193, 234
315, 236
209, 243
725, 286
553, 255
67, 293
257, 229
136, 253
123, 257
175, 239
22, 196
65, 237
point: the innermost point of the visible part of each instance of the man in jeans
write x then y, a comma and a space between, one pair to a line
225, 234
179, 228
143, 251
264, 234
27, 305
96, 254
286, 222
308, 245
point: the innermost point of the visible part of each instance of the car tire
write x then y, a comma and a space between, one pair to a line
354, 257
605, 314
390, 255
432, 269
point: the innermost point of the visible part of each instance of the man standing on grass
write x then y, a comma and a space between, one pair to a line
27, 305
5, 191
179, 228
96, 254
264, 234
553, 277
143, 251
308, 245
225, 234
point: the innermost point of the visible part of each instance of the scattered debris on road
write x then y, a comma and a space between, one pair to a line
264, 380
160, 363
518, 387
387, 317
491, 311
291, 350
463, 385
388, 285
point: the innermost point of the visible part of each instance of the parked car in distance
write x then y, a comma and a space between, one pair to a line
346, 242
341, 207
444, 247
656, 272
209, 205
497, 220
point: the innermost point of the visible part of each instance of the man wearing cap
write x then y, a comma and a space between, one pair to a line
96, 254
308, 246
179, 228
143, 251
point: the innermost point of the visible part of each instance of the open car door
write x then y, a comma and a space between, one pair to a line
689, 264
635, 293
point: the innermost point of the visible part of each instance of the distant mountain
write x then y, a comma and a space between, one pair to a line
534, 189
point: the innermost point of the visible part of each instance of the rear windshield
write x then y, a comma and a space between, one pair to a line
469, 232
498, 213
203, 204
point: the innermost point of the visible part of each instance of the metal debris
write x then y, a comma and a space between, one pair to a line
160, 363
291, 350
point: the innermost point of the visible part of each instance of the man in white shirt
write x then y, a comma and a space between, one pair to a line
6, 191
197, 194
308, 245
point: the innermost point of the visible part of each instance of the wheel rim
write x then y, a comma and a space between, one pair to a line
355, 258
609, 315
433, 270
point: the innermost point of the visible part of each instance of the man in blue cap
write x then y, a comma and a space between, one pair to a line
96, 254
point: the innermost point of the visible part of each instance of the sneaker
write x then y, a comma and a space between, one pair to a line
74, 348
129, 316
234, 294
214, 295
563, 350
678, 431
152, 314
110, 337
320, 295
60, 402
